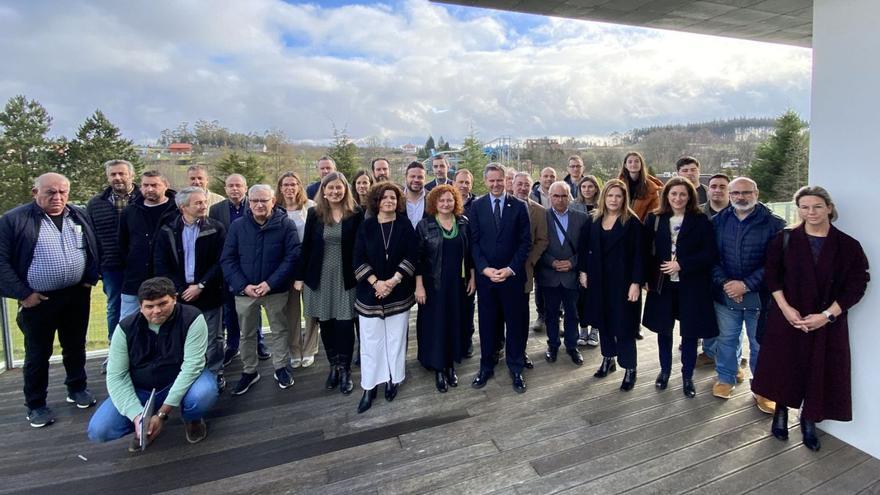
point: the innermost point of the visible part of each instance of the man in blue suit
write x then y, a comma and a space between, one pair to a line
500, 242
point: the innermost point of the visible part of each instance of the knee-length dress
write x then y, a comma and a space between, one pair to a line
332, 300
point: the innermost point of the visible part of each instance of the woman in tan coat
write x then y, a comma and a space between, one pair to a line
644, 188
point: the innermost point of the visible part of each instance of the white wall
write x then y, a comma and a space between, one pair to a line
845, 159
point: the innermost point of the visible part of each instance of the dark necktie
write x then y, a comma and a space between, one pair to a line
497, 213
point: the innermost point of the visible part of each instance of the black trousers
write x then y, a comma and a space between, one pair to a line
501, 305
338, 339
624, 348
67, 311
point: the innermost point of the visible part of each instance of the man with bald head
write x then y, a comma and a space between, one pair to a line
541, 191
49, 263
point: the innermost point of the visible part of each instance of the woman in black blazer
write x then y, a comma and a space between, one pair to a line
384, 259
682, 251
610, 262
325, 269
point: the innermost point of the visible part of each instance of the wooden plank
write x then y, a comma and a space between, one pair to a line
854, 480
814, 474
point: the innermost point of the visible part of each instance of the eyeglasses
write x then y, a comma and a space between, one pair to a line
259, 201
741, 193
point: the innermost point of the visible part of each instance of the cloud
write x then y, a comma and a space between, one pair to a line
379, 70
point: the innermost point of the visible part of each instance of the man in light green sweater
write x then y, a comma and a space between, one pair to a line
161, 348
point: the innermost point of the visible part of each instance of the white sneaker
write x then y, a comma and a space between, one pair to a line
593, 339
295, 363
583, 335
308, 361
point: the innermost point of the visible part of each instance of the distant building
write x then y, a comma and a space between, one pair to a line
552, 144
409, 149
180, 148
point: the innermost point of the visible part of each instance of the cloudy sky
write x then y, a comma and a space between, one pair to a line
397, 69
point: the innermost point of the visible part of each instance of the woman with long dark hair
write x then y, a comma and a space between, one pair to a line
325, 271
644, 188
362, 181
815, 273
588, 188
682, 252
445, 279
384, 259
610, 262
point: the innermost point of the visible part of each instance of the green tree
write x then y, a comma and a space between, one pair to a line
234, 163
25, 151
429, 145
473, 159
795, 173
343, 152
778, 154
97, 141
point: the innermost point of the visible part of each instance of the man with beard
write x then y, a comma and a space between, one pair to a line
742, 234
138, 227
104, 210
415, 192
381, 170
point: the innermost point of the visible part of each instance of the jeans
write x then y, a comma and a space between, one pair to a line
568, 298
129, 305
728, 345
108, 424
111, 281
709, 347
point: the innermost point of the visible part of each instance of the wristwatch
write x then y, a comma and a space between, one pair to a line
201, 286
830, 316
162, 415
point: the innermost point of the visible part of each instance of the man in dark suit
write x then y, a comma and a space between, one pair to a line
440, 169
500, 242
226, 212
556, 272
325, 165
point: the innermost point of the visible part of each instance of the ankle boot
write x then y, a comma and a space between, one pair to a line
779, 426
808, 429
391, 390
451, 377
367, 400
345, 383
608, 365
440, 382
333, 378
629, 380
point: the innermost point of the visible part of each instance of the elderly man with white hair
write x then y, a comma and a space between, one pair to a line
49, 263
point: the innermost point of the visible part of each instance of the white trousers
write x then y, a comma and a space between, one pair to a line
383, 349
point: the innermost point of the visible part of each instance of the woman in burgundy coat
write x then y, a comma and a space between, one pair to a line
815, 273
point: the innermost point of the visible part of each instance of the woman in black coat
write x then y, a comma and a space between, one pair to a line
444, 280
611, 264
681, 252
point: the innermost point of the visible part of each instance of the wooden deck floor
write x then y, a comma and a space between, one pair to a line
568, 433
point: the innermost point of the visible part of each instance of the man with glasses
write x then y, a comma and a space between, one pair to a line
258, 257
575, 172
742, 233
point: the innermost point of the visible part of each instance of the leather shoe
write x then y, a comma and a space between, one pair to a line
332, 379
345, 383
451, 377
688, 388
527, 362
367, 400
391, 390
608, 365
575, 356
780, 423
550, 355
440, 382
629, 380
481, 379
662, 380
519, 384
808, 429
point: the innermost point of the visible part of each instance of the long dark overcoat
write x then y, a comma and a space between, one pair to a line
811, 368
696, 254
611, 267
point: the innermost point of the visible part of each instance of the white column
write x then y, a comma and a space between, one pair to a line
844, 156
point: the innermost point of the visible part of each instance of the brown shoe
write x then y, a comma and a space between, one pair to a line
723, 390
740, 375
704, 360
764, 404
196, 431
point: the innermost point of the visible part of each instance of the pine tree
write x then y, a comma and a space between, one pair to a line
97, 141
430, 146
25, 151
776, 154
233, 163
473, 159
795, 173
344, 152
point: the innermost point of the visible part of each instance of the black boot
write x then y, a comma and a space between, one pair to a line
333, 378
451, 377
629, 380
779, 426
608, 365
345, 383
391, 390
440, 382
367, 400
808, 429
662, 380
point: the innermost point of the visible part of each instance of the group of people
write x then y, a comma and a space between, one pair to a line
348, 261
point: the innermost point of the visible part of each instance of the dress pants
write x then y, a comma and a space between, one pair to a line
622, 347
383, 349
568, 298
230, 321
501, 305
67, 311
248, 309
214, 352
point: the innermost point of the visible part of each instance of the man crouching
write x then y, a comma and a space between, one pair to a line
161, 347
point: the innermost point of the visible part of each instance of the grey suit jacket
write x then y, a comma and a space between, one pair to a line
545, 274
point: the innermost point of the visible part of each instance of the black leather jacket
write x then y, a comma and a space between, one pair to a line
430, 258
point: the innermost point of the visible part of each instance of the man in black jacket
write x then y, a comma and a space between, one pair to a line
138, 227
49, 263
188, 252
104, 210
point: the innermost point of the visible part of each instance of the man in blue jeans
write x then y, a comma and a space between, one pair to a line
742, 233
104, 210
162, 348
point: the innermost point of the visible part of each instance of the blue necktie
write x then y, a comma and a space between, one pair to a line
497, 213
